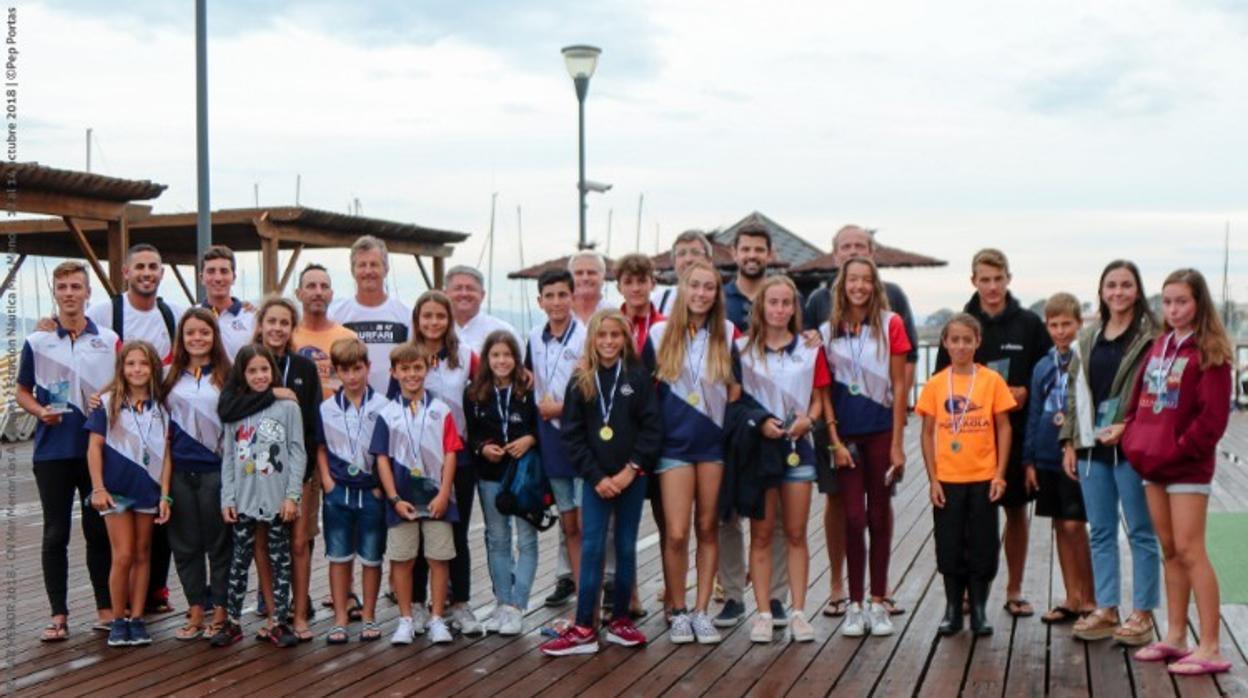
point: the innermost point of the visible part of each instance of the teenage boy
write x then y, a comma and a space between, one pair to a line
1014, 341
415, 441
380, 321
551, 355
316, 334
235, 319
60, 368
634, 276
354, 520
1057, 496
689, 247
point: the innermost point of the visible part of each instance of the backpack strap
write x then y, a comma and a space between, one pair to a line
167, 313
119, 316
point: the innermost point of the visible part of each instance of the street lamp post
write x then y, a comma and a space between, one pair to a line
581, 61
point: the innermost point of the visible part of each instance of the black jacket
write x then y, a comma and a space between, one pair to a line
301, 377
635, 419
484, 427
752, 463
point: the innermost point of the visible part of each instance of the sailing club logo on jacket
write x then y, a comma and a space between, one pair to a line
626, 390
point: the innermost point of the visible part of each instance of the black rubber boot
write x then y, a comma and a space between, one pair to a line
954, 587
979, 615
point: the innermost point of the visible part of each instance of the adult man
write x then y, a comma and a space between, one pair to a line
235, 319
465, 287
60, 369
316, 333
1014, 340
589, 272
689, 247
751, 250
849, 242
141, 314
380, 321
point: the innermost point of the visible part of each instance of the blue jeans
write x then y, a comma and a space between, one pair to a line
1106, 487
512, 576
595, 515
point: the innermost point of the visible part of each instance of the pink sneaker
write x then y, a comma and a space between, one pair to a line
621, 631
574, 640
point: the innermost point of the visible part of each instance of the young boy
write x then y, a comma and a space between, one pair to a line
1014, 339
415, 440
1057, 496
355, 523
634, 275
552, 354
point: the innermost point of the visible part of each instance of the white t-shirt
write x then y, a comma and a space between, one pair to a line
381, 327
147, 325
473, 334
663, 299
237, 326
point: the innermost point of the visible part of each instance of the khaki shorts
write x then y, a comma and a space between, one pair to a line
404, 540
310, 508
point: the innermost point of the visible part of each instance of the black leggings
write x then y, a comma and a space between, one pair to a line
965, 531
61, 483
461, 566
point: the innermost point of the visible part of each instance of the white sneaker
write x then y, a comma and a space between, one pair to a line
439, 634
801, 628
881, 623
512, 623
403, 634
761, 629
705, 630
681, 631
420, 618
495, 621
855, 621
465, 621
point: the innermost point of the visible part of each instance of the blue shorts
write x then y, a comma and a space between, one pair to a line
354, 520
800, 473
567, 491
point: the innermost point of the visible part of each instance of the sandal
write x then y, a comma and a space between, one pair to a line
1198, 667
55, 632
355, 609
370, 632
1019, 608
337, 636
1161, 652
262, 633
304, 635
327, 602
190, 631
890, 604
102, 626
1058, 615
212, 629
836, 608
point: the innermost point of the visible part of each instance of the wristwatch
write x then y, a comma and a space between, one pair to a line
395, 500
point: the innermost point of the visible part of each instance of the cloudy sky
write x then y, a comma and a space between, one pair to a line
1065, 132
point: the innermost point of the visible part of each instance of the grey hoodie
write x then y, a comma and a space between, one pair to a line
263, 461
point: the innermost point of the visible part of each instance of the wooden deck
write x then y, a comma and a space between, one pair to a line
1022, 658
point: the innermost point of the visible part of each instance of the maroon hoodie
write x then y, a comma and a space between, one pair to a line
1177, 442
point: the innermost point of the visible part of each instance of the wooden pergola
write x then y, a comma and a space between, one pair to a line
266, 230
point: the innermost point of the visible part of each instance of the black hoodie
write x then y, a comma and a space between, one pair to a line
1017, 335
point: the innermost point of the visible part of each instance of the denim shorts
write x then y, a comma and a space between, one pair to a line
666, 464
567, 491
1184, 487
800, 473
355, 525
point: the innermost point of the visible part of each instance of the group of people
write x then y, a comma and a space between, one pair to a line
225, 434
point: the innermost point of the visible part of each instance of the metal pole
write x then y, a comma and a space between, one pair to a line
582, 87
88, 150
203, 222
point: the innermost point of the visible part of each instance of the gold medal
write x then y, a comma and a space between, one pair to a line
1059, 419
793, 460
606, 433
693, 399
956, 446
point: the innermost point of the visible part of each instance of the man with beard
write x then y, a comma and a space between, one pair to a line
751, 250
465, 287
380, 321
316, 333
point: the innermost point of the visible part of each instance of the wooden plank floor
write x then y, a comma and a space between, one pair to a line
1022, 658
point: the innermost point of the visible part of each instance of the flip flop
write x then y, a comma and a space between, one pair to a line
262, 633
212, 629
1160, 652
1058, 615
371, 632
893, 608
1019, 608
836, 608
189, 632
55, 632
1198, 667
337, 635
303, 635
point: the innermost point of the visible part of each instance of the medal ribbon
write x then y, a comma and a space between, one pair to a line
957, 420
604, 405
552, 366
504, 412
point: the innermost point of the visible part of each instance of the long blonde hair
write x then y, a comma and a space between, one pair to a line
675, 342
757, 335
1211, 338
118, 389
875, 307
584, 376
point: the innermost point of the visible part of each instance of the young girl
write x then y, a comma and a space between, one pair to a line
451, 369
502, 422
1178, 414
1107, 358
966, 447
129, 467
698, 370
192, 388
612, 430
261, 485
789, 379
866, 344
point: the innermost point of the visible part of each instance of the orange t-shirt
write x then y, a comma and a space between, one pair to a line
315, 346
975, 457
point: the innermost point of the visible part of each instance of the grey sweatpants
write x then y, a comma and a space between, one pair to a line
199, 536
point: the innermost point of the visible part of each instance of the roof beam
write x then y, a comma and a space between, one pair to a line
290, 268
85, 247
320, 238
58, 204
